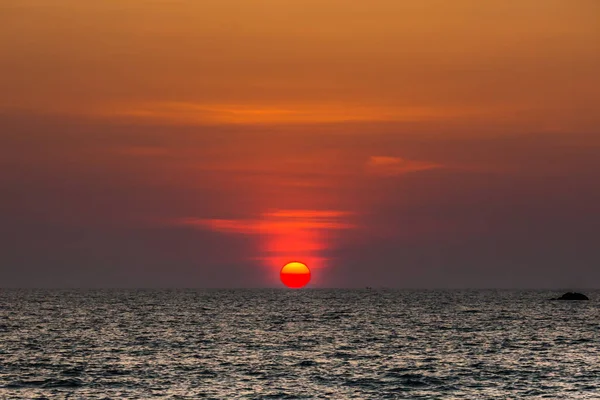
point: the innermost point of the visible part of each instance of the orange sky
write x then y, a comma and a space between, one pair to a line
403, 117
221, 61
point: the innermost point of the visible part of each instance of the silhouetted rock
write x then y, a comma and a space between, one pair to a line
572, 296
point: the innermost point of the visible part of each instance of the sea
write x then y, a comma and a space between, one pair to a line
298, 344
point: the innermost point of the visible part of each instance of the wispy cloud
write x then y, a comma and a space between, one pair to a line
274, 222
199, 113
390, 166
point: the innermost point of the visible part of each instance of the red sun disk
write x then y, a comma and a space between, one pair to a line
295, 275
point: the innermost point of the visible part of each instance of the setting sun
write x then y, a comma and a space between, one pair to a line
295, 275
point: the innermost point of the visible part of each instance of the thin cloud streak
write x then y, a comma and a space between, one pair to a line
311, 113
390, 166
275, 222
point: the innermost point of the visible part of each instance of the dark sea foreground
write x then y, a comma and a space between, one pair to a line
281, 344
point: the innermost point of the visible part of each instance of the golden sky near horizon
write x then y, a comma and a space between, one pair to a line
236, 61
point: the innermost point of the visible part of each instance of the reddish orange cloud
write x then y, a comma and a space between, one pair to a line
275, 222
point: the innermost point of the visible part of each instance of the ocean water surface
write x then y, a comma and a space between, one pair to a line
303, 344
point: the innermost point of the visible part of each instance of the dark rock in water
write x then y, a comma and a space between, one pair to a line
572, 296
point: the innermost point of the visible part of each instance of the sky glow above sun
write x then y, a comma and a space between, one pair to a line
284, 235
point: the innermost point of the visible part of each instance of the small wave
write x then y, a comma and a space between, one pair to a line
307, 363
75, 371
343, 354
363, 382
63, 383
116, 372
46, 383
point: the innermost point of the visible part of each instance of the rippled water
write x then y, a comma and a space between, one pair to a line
279, 344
